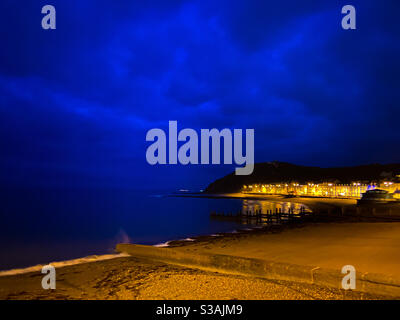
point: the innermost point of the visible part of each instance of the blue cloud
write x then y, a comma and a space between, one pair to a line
76, 102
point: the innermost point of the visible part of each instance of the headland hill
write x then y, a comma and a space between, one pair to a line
291, 175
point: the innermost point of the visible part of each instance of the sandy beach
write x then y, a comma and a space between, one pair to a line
137, 279
370, 247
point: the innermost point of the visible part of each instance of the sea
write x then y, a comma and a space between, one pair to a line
39, 226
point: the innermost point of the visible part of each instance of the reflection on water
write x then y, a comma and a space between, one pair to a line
260, 212
268, 207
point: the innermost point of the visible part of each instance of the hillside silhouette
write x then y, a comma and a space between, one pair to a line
275, 172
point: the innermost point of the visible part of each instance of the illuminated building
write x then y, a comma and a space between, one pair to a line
326, 189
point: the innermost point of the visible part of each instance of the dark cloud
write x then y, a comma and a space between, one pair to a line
76, 102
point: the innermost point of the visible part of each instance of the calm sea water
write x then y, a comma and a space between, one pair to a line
41, 226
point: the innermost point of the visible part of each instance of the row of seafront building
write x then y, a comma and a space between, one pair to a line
331, 190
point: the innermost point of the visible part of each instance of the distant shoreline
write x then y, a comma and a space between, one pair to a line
315, 202
349, 205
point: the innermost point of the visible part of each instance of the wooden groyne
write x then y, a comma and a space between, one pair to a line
269, 217
326, 213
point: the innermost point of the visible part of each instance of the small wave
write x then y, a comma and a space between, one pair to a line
162, 245
65, 263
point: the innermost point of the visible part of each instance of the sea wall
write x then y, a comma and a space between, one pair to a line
378, 284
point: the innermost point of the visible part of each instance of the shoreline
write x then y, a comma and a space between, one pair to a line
116, 255
236, 233
324, 243
61, 264
167, 243
138, 277
195, 240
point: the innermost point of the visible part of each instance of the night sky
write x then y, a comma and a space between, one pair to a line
76, 102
